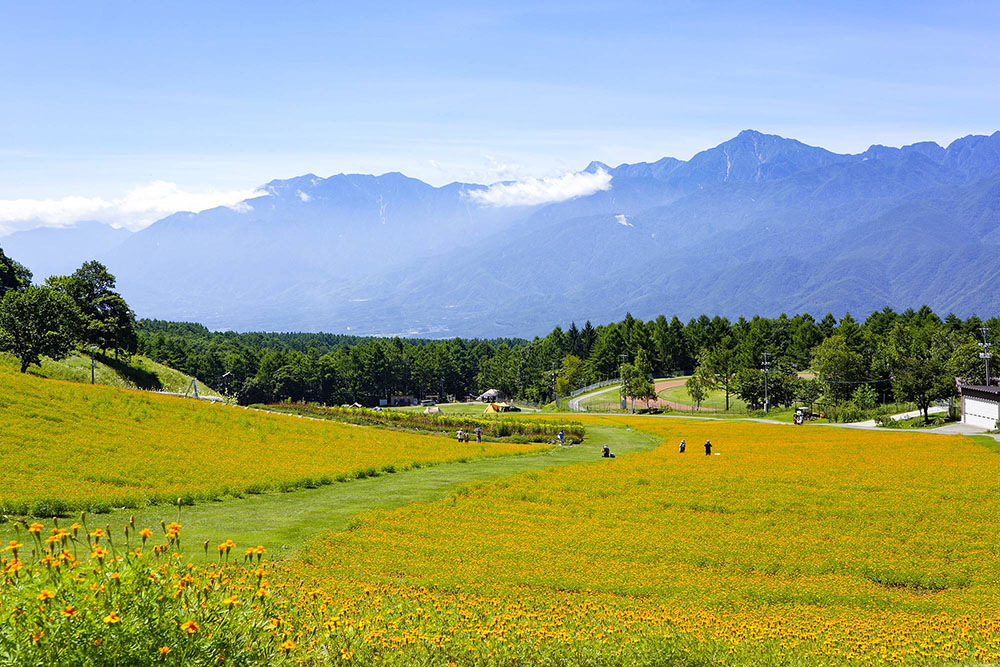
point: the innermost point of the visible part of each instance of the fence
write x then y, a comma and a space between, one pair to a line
592, 387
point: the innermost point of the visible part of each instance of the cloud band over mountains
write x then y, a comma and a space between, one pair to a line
138, 208
534, 191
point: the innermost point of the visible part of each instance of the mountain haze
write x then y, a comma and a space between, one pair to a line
759, 224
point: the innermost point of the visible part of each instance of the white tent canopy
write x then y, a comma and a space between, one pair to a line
488, 396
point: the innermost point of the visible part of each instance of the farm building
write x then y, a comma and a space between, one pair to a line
980, 405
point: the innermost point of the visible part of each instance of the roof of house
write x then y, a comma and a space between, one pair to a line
979, 388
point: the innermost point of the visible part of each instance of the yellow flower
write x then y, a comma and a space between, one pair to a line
288, 645
99, 553
345, 654
35, 528
231, 601
164, 650
146, 533
45, 595
68, 612
112, 618
190, 627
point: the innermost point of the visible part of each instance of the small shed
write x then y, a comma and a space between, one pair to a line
980, 405
433, 410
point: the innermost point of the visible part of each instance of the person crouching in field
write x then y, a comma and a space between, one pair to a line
683, 446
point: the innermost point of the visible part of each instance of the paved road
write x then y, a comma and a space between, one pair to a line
902, 415
574, 403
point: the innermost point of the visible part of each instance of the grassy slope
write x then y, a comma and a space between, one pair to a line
84, 446
284, 521
716, 399
138, 373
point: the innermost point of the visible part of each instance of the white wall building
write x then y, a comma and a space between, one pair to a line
980, 405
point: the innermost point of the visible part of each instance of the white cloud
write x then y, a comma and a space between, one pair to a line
532, 191
304, 196
138, 208
622, 219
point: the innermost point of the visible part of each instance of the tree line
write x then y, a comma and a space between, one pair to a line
912, 356
62, 315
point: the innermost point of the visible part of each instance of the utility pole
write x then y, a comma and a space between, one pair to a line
767, 369
93, 364
555, 396
622, 359
985, 354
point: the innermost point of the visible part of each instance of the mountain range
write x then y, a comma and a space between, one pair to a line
759, 224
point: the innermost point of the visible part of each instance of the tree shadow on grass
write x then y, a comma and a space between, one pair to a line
134, 375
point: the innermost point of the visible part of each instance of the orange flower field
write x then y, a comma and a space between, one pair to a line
69, 446
813, 543
789, 545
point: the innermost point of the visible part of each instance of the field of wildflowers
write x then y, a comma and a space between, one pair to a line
85, 595
791, 545
65, 446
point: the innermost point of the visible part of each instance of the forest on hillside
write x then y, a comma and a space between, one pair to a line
912, 356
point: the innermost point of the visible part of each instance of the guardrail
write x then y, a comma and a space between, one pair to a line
592, 387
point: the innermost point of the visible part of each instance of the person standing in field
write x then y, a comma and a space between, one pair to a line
683, 446
561, 437
479, 434
708, 448
461, 435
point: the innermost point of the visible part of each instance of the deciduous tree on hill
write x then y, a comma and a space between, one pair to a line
697, 388
37, 322
919, 360
720, 366
107, 321
13, 275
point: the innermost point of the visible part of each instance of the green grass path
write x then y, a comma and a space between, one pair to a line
284, 521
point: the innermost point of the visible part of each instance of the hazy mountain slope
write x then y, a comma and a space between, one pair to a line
51, 251
758, 224
223, 266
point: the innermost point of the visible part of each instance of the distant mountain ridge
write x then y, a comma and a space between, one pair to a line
758, 224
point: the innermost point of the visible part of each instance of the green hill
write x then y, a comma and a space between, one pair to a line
139, 372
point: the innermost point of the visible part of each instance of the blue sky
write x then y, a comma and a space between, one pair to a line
172, 100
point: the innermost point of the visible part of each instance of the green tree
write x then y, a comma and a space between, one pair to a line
697, 388
865, 397
37, 322
966, 364
838, 367
749, 386
919, 359
569, 375
720, 366
636, 385
106, 319
808, 390
13, 275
